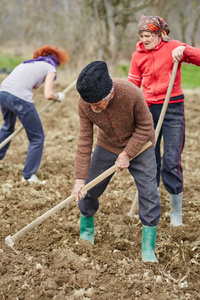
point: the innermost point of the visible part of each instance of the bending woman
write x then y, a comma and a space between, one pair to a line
16, 100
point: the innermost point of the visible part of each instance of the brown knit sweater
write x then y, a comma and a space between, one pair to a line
126, 124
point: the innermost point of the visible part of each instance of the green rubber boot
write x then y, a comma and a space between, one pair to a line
148, 243
87, 228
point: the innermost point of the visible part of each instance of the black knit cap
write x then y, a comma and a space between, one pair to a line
94, 82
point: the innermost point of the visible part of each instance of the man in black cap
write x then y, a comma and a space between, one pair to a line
118, 108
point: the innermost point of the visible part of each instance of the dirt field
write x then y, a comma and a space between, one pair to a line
53, 263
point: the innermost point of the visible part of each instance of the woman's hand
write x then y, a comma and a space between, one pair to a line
122, 161
61, 96
177, 53
77, 192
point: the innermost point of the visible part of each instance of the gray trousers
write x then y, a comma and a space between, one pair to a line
143, 170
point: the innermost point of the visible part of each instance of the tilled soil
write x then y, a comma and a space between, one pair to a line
53, 263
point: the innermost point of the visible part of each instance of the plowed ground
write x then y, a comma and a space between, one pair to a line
53, 263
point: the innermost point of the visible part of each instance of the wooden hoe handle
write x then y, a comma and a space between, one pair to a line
134, 207
10, 240
166, 102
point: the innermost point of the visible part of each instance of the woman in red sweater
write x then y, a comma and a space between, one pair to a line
151, 67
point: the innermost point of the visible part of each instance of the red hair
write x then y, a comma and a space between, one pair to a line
45, 50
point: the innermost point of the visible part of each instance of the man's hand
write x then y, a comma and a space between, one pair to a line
122, 161
177, 53
78, 194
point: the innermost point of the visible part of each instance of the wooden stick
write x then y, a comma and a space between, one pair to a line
10, 240
9, 138
134, 208
166, 102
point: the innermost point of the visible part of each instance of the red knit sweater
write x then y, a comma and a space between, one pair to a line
152, 69
126, 124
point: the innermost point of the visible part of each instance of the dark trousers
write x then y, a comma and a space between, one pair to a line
173, 132
13, 107
143, 170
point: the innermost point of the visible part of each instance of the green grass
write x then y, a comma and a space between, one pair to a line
190, 75
8, 63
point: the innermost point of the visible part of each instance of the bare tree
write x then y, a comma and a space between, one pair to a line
92, 29
110, 20
196, 7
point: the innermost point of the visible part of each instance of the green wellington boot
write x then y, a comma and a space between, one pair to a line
148, 243
87, 228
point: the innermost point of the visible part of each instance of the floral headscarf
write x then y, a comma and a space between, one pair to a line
154, 24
